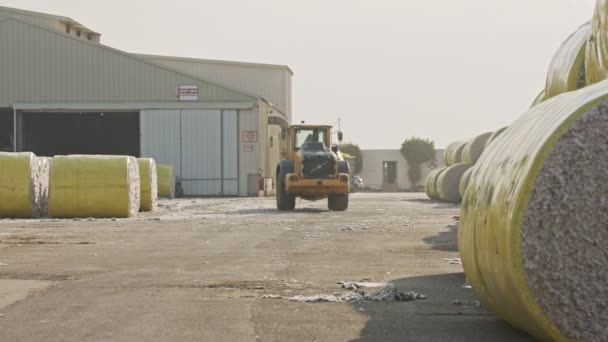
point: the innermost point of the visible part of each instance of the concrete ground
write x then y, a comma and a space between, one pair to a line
199, 269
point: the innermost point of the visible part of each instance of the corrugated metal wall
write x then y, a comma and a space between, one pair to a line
202, 145
272, 83
41, 65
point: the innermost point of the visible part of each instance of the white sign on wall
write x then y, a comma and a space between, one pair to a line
187, 92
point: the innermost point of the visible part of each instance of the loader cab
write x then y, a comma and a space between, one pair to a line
305, 137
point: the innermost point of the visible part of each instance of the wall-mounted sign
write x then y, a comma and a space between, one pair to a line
248, 148
186, 92
250, 136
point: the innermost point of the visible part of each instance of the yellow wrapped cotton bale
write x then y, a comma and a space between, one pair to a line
166, 181
533, 229
567, 69
430, 187
448, 182
94, 186
474, 148
148, 184
453, 153
596, 55
464, 181
494, 136
24, 180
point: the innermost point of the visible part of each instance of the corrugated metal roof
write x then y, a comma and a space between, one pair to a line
58, 18
70, 62
215, 61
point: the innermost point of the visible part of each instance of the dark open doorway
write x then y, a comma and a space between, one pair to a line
49, 134
6, 130
389, 169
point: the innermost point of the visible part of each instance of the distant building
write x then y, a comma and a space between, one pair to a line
386, 170
63, 92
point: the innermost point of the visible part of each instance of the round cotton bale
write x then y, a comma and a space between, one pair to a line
448, 182
453, 153
464, 182
430, 187
166, 181
447, 155
474, 148
494, 136
23, 185
533, 235
94, 186
148, 184
567, 69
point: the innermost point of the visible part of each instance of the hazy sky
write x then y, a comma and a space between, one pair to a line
390, 69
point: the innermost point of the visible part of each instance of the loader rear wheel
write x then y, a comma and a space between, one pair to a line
337, 202
285, 201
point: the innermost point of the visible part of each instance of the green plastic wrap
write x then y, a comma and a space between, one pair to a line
453, 153
94, 186
16, 197
166, 181
430, 186
495, 207
474, 148
596, 55
148, 184
567, 69
464, 182
494, 136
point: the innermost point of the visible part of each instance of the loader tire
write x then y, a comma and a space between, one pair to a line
285, 201
337, 202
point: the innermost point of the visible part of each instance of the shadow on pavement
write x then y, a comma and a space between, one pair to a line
436, 318
445, 241
257, 211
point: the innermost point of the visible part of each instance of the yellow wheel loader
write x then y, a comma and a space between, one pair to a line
311, 168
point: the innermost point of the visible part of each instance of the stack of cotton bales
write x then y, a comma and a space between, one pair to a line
533, 225
24, 181
445, 184
532, 233
76, 186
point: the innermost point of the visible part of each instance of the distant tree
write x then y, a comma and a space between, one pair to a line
355, 152
417, 151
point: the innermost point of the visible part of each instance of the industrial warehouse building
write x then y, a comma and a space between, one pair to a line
63, 92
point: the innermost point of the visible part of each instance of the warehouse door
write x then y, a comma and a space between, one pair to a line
209, 153
49, 134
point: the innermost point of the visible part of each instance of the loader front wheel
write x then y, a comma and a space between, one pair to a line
285, 201
337, 202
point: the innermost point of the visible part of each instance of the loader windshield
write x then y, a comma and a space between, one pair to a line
312, 135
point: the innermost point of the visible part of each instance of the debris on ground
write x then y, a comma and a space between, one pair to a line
354, 285
359, 292
272, 297
457, 302
347, 229
454, 261
315, 299
2, 264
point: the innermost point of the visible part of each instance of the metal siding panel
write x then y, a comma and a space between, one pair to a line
272, 84
201, 152
248, 161
230, 152
160, 137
